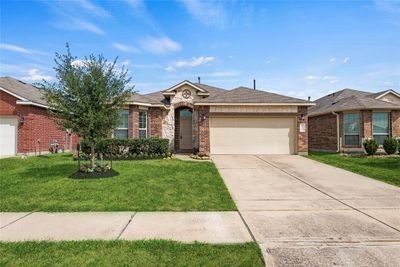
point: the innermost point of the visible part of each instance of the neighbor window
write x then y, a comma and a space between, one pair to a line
352, 129
380, 126
121, 132
142, 124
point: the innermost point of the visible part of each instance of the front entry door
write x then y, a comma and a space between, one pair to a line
185, 129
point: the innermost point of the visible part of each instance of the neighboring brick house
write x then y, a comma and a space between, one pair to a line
25, 125
199, 117
342, 120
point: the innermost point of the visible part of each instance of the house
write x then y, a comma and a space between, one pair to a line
25, 125
195, 118
206, 119
341, 120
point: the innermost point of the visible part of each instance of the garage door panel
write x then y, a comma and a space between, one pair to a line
8, 130
230, 135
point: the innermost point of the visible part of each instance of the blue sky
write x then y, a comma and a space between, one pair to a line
296, 48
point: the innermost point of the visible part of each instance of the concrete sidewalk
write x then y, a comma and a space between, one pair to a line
210, 227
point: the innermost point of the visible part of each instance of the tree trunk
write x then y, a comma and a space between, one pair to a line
93, 157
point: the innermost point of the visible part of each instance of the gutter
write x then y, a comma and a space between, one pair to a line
337, 131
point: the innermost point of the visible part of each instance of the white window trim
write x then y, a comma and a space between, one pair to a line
352, 134
143, 129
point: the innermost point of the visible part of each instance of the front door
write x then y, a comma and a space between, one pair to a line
185, 129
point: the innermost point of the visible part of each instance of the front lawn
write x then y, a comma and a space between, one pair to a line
128, 253
385, 169
43, 184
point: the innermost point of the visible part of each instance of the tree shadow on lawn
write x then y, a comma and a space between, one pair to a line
63, 170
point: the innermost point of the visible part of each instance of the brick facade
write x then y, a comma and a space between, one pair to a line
395, 122
323, 130
322, 133
302, 138
204, 129
133, 122
38, 131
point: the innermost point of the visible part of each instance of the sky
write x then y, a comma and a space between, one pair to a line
295, 48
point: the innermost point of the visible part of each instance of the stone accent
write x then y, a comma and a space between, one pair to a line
154, 119
323, 133
39, 129
133, 122
302, 138
177, 127
395, 117
204, 129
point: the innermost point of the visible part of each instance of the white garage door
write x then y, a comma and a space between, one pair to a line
8, 134
252, 135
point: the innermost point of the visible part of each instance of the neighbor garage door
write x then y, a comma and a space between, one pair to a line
252, 135
8, 132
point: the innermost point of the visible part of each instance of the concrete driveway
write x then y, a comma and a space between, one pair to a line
305, 213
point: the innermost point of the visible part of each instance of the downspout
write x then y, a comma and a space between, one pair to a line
337, 131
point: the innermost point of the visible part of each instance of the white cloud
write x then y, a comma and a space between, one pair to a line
210, 13
93, 9
160, 45
345, 60
78, 62
36, 75
125, 62
332, 59
223, 74
170, 69
147, 66
87, 26
311, 79
125, 48
194, 62
15, 48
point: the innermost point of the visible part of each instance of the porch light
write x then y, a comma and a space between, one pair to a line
302, 117
22, 120
203, 116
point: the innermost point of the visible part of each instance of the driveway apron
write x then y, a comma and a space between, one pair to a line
305, 213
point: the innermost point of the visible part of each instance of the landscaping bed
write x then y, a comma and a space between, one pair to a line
380, 167
128, 253
44, 184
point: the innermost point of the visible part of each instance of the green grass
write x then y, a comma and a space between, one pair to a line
43, 184
128, 253
385, 169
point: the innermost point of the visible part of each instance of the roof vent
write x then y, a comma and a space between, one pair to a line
254, 84
198, 79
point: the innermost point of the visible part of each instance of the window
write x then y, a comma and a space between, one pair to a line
352, 129
380, 126
121, 132
142, 124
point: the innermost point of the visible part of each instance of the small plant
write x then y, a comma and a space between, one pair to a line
390, 145
370, 146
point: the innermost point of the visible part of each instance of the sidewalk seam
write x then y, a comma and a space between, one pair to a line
126, 226
247, 226
26, 215
316, 188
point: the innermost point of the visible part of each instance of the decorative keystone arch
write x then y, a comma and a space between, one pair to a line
183, 104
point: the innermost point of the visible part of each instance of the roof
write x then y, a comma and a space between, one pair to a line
240, 95
23, 91
350, 99
247, 95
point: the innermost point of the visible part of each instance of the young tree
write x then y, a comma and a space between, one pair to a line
87, 96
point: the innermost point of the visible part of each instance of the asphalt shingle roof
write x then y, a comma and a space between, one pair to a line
350, 99
24, 90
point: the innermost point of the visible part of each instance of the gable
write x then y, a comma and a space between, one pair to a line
390, 97
175, 88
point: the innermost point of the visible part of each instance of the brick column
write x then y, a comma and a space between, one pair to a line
133, 122
395, 122
366, 124
204, 129
155, 122
302, 138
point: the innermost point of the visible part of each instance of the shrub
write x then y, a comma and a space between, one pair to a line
143, 148
390, 145
370, 146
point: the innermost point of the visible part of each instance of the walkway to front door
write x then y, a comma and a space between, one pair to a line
305, 213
